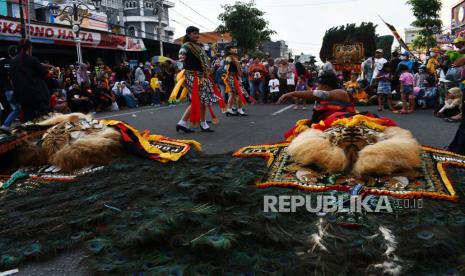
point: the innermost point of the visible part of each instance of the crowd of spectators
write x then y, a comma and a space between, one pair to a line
400, 85
77, 88
404, 83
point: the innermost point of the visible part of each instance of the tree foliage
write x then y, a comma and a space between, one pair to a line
385, 42
428, 20
256, 53
246, 24
350, 33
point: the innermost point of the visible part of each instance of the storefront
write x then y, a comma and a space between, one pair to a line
56, 43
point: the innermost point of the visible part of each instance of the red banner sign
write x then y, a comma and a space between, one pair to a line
48, 34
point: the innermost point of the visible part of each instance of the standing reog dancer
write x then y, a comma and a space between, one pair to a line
233, 83
196, 80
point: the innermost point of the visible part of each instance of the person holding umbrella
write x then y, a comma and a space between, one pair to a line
196, 80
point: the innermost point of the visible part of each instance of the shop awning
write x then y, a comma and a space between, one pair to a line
62, 35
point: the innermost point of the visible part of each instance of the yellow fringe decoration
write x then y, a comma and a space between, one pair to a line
184, 93
269, 156
180, 79
196, 145
226, 82
373, 123
145, 138
300, 127
445, 178
443, 151
315, 188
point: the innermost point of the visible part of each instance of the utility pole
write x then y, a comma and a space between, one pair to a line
160, 28
21, 16
75, 19
76, 28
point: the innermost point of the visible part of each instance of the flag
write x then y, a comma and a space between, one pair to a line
397, 36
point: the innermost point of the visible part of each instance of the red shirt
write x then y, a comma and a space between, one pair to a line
260, 68
53, 101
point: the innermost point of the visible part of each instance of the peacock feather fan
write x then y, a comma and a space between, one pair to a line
203, 215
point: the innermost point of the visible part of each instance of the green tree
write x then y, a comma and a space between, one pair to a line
350, 33
428, 20
256, 53
246, 24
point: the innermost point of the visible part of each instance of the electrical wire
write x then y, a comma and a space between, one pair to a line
108, 23
190, 20
308, 4
206, 18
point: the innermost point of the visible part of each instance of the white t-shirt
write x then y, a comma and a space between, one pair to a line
379, 63
274, 85
290, 78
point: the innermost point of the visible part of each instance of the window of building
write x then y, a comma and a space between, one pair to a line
130, 4
132, 31
149, 4
15, 10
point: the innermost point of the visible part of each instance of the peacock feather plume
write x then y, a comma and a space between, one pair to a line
203, 215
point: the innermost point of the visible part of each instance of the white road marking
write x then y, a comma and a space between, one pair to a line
9, 272
282, 110
134, 112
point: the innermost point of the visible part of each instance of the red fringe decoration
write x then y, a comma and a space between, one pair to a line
239, 90
252, 100
7, 146
195, 101
214, 118
217, 93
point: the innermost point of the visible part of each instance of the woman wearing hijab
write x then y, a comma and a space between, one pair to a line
129, 98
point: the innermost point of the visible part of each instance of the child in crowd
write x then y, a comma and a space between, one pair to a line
406, 80
273, 84
301, 86
58, 102
155, 84
420, 77
384, 78
352, 86
428, 94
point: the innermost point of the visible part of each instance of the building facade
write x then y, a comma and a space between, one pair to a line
118, 30
136, 18
275, 49
140, 19
410, 34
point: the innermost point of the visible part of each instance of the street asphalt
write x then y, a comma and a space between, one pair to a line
268, 123
265, 124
